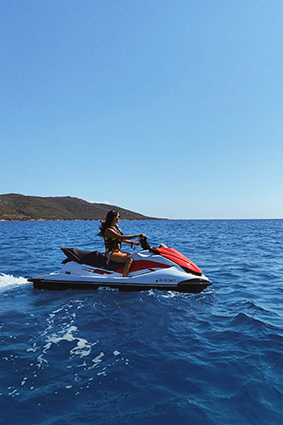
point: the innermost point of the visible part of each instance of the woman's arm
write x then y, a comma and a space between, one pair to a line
111, 233
130, 242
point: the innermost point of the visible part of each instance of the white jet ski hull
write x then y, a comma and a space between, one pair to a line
149, 271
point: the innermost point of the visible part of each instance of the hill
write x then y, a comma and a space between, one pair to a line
15, 207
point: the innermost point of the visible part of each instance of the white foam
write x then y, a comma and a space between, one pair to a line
97, 360
8, 281
82, 349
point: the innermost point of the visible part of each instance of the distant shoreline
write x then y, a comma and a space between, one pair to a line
95, 219
145, 219
17, 207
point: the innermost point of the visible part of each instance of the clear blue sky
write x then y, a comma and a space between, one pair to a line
172, 108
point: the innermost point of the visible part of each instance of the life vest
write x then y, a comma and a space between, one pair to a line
113, 244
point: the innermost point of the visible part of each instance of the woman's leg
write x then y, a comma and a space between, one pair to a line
124, 258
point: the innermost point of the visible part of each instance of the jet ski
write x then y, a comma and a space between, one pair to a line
161, 268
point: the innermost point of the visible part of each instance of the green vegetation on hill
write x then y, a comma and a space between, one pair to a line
15, 207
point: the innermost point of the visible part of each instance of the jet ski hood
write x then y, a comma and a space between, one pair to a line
180, 259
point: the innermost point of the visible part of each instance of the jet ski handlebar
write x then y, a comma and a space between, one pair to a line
143, 242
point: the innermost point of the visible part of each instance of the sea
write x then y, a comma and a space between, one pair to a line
151, 357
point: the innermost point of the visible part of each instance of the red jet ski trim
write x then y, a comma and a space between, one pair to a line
178, 258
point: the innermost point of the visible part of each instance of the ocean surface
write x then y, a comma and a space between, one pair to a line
152, 357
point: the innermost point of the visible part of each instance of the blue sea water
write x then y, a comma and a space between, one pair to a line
152, 357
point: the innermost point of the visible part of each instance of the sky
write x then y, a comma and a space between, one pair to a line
170, 108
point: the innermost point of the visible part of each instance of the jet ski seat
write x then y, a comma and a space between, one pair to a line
89, 258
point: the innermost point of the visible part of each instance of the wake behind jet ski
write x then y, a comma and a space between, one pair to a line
152, 268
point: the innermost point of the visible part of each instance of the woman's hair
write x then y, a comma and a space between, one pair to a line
107, 223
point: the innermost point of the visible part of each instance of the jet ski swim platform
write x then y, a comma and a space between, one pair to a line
154, 268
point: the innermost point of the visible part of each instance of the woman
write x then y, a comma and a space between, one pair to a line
113, 237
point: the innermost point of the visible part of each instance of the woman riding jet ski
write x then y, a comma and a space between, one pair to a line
113, 237
151, 268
